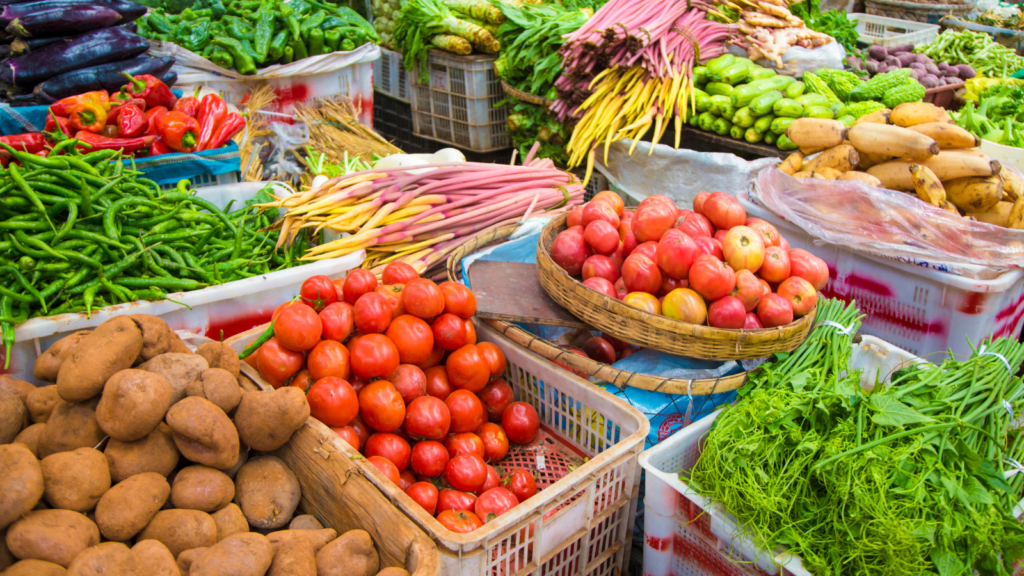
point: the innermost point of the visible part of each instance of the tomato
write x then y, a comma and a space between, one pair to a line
520, 423
298, 328
283, 305
424, 494
338, 320
364, 431
251, 358
423, 299
357, 283
406, 479
466, 472
467, 368
399, 273
461, 522
464, 443
522, 484
495, 441
276, 363
494, 357
436, 355
351, 342
387, 468
328, 358
409, 380
358, 384
438, 384
333, 401
349, 435
339, 288
470, 332
455, 500
494, 503
372, 313
449, 332
427, 417
412, 337
466, 409
373, 356
381, 406
393, 294
458, 299
390, 446
429, 458
301, 380
496, 396
492, 481
318, 292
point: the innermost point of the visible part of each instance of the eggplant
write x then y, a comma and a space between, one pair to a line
131, 27
103, 77
128, 10
169, 78
89, 49
25, 45
58, 21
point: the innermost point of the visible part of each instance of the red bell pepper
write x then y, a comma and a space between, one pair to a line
151, 116
110, 131
29, 142
116, 109
232, 125
53, 122
189, 105
151, 89
178, 131
126, 145
211, 114
86, 111
131, 122
159, 148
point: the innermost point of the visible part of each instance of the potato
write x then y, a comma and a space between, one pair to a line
71, 426
130, 505
267, 491
179, 370
19, 388
351, 554
247, 554
154, 453
243, 457
110, 348
41, 403
267, 419
203, 433
305, 522
220, 355
53, 535
142, 395
13, 415
178, 346
180, 530
202, 488
6, 558
317, 538
21, 483
35, 568
218, 386
188, 557
75, 480
156, 336
49, 362
230, 520
106, 559
295, 558
30, 437
154, 559
393, 572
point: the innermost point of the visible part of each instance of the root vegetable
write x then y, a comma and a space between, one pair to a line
41, 402
816, 133
30, 437
178, 369
52, 535
106, 559
246, 554
220, 355
130, 505
203, 433
202, 488
267, 419
71, 426
181, 530
913, 113
154, 453
112, 347
21, 483
294, 558
229, 520
317, 538
75, 480
218, 386
267, 491
35, 568
49, 362
791, 165
352, 554
13, 415
157, 336
155, 559
134, 402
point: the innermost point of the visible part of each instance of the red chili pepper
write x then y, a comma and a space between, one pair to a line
232, 125
86, 111
159, 148
211, 114
29, 142
178, 131
116, 109
131, 122
151, 116
121, 96
127, 145
52, 123
188, 105
151, 89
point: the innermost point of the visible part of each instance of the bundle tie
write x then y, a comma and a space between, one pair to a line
845, 330
983, 352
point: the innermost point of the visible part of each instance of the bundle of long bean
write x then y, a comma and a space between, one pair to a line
976, 49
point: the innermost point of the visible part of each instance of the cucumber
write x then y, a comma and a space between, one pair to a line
705, 121
780, 124
769, 138
721, 126
700, 75
719, 89
715, 104
764, 123
763, 104
784, 143
847, 120
745, 61
727, 111
716, 65
753, 135
693, 121
759, 73
736, 132
819, 112
744, 117
788, 107
794, 89
812, 100
701, 100
744, 94
735, 74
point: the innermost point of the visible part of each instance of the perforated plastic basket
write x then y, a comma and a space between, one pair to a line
888, 32
389, 76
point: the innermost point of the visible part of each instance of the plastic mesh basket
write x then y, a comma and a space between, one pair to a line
888, 32
389, 75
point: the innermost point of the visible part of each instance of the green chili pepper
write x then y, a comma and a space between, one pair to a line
316, 41
7, 329
244, 63
251, 348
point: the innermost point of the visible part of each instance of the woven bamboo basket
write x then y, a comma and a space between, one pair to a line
525, 96
916, 11
653, 330
606, 372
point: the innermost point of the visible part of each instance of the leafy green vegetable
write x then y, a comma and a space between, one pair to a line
528, 124
998, 117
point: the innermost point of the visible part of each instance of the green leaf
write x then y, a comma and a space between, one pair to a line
799, 382
947, 563
976, 493
891, 412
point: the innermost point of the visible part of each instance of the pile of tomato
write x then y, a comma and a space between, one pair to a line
394, 367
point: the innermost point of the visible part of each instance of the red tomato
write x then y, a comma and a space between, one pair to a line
496, 396
466, 409
399, 273
333, 401
283, 305
351, 342
409, 380
427, 417
387, 467
461, 522
276, 363
373, 356
406, 479
438, 384
520, 423
449, 332
466, 472
429, 458
393, 294
455, 500
412, 337
298, 328
349, 435
357, 283
358, 384
301, 380
423, 299
338, 320
522, 484
494, 503
424, 494
495, 441
458, 299
372, 313
364, 431
339, 288
467, 368
492, 481
318, 292
464, 443
328, 358
390, 446
251, 358
436, 355
381, 406
494, 357
470, 331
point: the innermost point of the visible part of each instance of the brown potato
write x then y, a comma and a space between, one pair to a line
19, 388
130, 505
154, 559
305, 522
75, 480
41, 403
247, 554
35, 568
179, 370
181, 530
71, 426
393, 572
351, 554
53, 535
49, 362
267, 419
110, 348
220, 355
21, 483
156, 336
317, 538
294, 558
203, 433
13, 415
30, 437
154, 453
243, 457
267, 491
188, 557
230, 520
218, 386
6, 558
178, 346
143, 395
202, 488
106, 559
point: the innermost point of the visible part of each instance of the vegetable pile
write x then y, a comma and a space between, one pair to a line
976, 49
997, 117
385, 14
1000, 19
457, 26
768, 28
881, 60
396, 370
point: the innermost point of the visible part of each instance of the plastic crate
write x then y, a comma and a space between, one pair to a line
459, 106
389, 75
1012, 39
888, 32
597, 183
207, 180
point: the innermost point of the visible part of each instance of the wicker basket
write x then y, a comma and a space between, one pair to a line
525, 96
653, 330
915, 11
605, 372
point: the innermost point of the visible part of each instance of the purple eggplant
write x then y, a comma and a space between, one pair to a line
128, 10
26, 45
107, 77
58, 21
169, 78
89, 49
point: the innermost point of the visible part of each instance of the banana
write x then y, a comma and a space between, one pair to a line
816, 133
803, 174
927, 185
1016, 219
974, 194
791, 165
947, 135
877, 117
862, 176
1013, 186
826, 173
843, 158
998, 214
959, 164
869, 160
914, 113
949, 207
894, 175
819, 176
892, 141
975, 152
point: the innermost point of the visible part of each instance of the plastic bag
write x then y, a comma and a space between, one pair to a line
798, 60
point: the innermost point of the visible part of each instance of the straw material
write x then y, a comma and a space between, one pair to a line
251, 164
653, 330
525, 96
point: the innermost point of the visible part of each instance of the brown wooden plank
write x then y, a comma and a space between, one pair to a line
727, 142
509, 291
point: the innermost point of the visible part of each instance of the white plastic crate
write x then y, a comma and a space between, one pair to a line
207, 180
886, 32
390, 76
